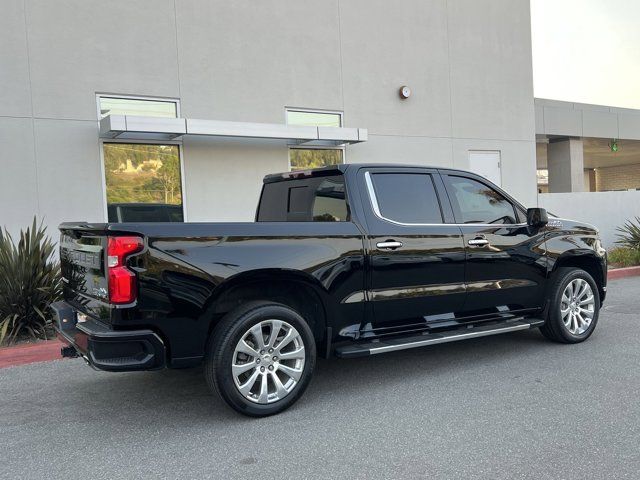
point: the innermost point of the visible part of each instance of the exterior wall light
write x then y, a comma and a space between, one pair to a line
613, 145
405, 92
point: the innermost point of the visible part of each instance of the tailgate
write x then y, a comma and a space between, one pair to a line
83, 268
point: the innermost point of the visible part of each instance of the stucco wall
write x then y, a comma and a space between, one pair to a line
468, 68
605, 210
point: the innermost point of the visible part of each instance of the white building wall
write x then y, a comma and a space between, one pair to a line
223, 180
605, 210
468, 63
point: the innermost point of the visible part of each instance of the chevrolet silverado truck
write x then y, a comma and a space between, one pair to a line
342, 261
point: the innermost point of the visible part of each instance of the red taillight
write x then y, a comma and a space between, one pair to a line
122, 281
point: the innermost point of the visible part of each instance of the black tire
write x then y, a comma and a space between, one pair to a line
554, 328
220, 355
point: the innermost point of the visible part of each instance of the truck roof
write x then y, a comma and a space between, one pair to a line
342, 168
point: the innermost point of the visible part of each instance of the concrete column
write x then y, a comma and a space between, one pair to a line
565, 161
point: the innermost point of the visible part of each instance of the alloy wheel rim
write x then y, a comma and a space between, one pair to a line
577, 306
268, 361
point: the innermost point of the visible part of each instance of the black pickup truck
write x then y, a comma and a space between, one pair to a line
342, 261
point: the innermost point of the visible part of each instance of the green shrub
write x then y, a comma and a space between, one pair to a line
623, 257
629, 235
29, 282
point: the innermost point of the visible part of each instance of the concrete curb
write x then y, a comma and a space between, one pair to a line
31, 353
623, 273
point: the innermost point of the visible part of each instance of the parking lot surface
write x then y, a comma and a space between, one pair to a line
503, 407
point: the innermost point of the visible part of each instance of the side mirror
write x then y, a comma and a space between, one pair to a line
537, 217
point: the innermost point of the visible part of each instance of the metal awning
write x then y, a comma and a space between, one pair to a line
157, 128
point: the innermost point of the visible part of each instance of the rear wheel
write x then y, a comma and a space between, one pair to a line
260, 358
574, 306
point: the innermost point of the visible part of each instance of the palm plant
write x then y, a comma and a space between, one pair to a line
29, 283
629, 235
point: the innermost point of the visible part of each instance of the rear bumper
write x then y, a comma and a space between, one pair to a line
107, 349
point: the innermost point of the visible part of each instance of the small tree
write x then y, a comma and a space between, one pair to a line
168, 177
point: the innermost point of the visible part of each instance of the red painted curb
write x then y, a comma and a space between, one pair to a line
623, 273
35, 352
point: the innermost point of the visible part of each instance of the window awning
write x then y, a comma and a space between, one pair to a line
156, 128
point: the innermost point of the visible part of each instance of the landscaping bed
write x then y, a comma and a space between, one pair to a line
623, 257
623, 262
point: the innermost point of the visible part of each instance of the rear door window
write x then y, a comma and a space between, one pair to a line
407, 197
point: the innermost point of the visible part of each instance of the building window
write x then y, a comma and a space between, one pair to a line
143, 181
303, 158
306, 158
314, 118
137, 106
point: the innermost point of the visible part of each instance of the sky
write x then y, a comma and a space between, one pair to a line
587, 51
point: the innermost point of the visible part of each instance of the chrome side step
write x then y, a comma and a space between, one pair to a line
403, 343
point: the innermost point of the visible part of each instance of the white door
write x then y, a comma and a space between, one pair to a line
487, 164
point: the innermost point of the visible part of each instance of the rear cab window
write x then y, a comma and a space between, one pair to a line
306, 199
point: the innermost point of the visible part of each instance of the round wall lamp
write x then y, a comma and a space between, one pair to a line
405, 92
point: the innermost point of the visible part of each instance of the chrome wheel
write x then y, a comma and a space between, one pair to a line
577, 306
268, 361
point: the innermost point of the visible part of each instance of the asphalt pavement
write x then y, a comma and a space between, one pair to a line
503, 407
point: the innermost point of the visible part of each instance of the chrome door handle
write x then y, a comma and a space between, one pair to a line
478, 242
389, 244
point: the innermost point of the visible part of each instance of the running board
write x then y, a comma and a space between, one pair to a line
403, 343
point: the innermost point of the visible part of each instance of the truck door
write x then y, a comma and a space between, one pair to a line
505, 268
416, 260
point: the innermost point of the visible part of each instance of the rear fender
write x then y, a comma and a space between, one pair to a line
290, 287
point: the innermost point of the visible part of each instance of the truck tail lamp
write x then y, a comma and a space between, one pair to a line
122, 281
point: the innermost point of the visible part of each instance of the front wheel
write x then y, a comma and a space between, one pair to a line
574, 306
260, 358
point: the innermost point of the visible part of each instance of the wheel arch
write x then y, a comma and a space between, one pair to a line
589, 262
294, 289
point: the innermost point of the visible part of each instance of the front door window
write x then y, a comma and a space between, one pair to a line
475, 202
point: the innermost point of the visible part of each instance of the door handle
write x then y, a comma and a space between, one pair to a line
478, 242
389, 245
